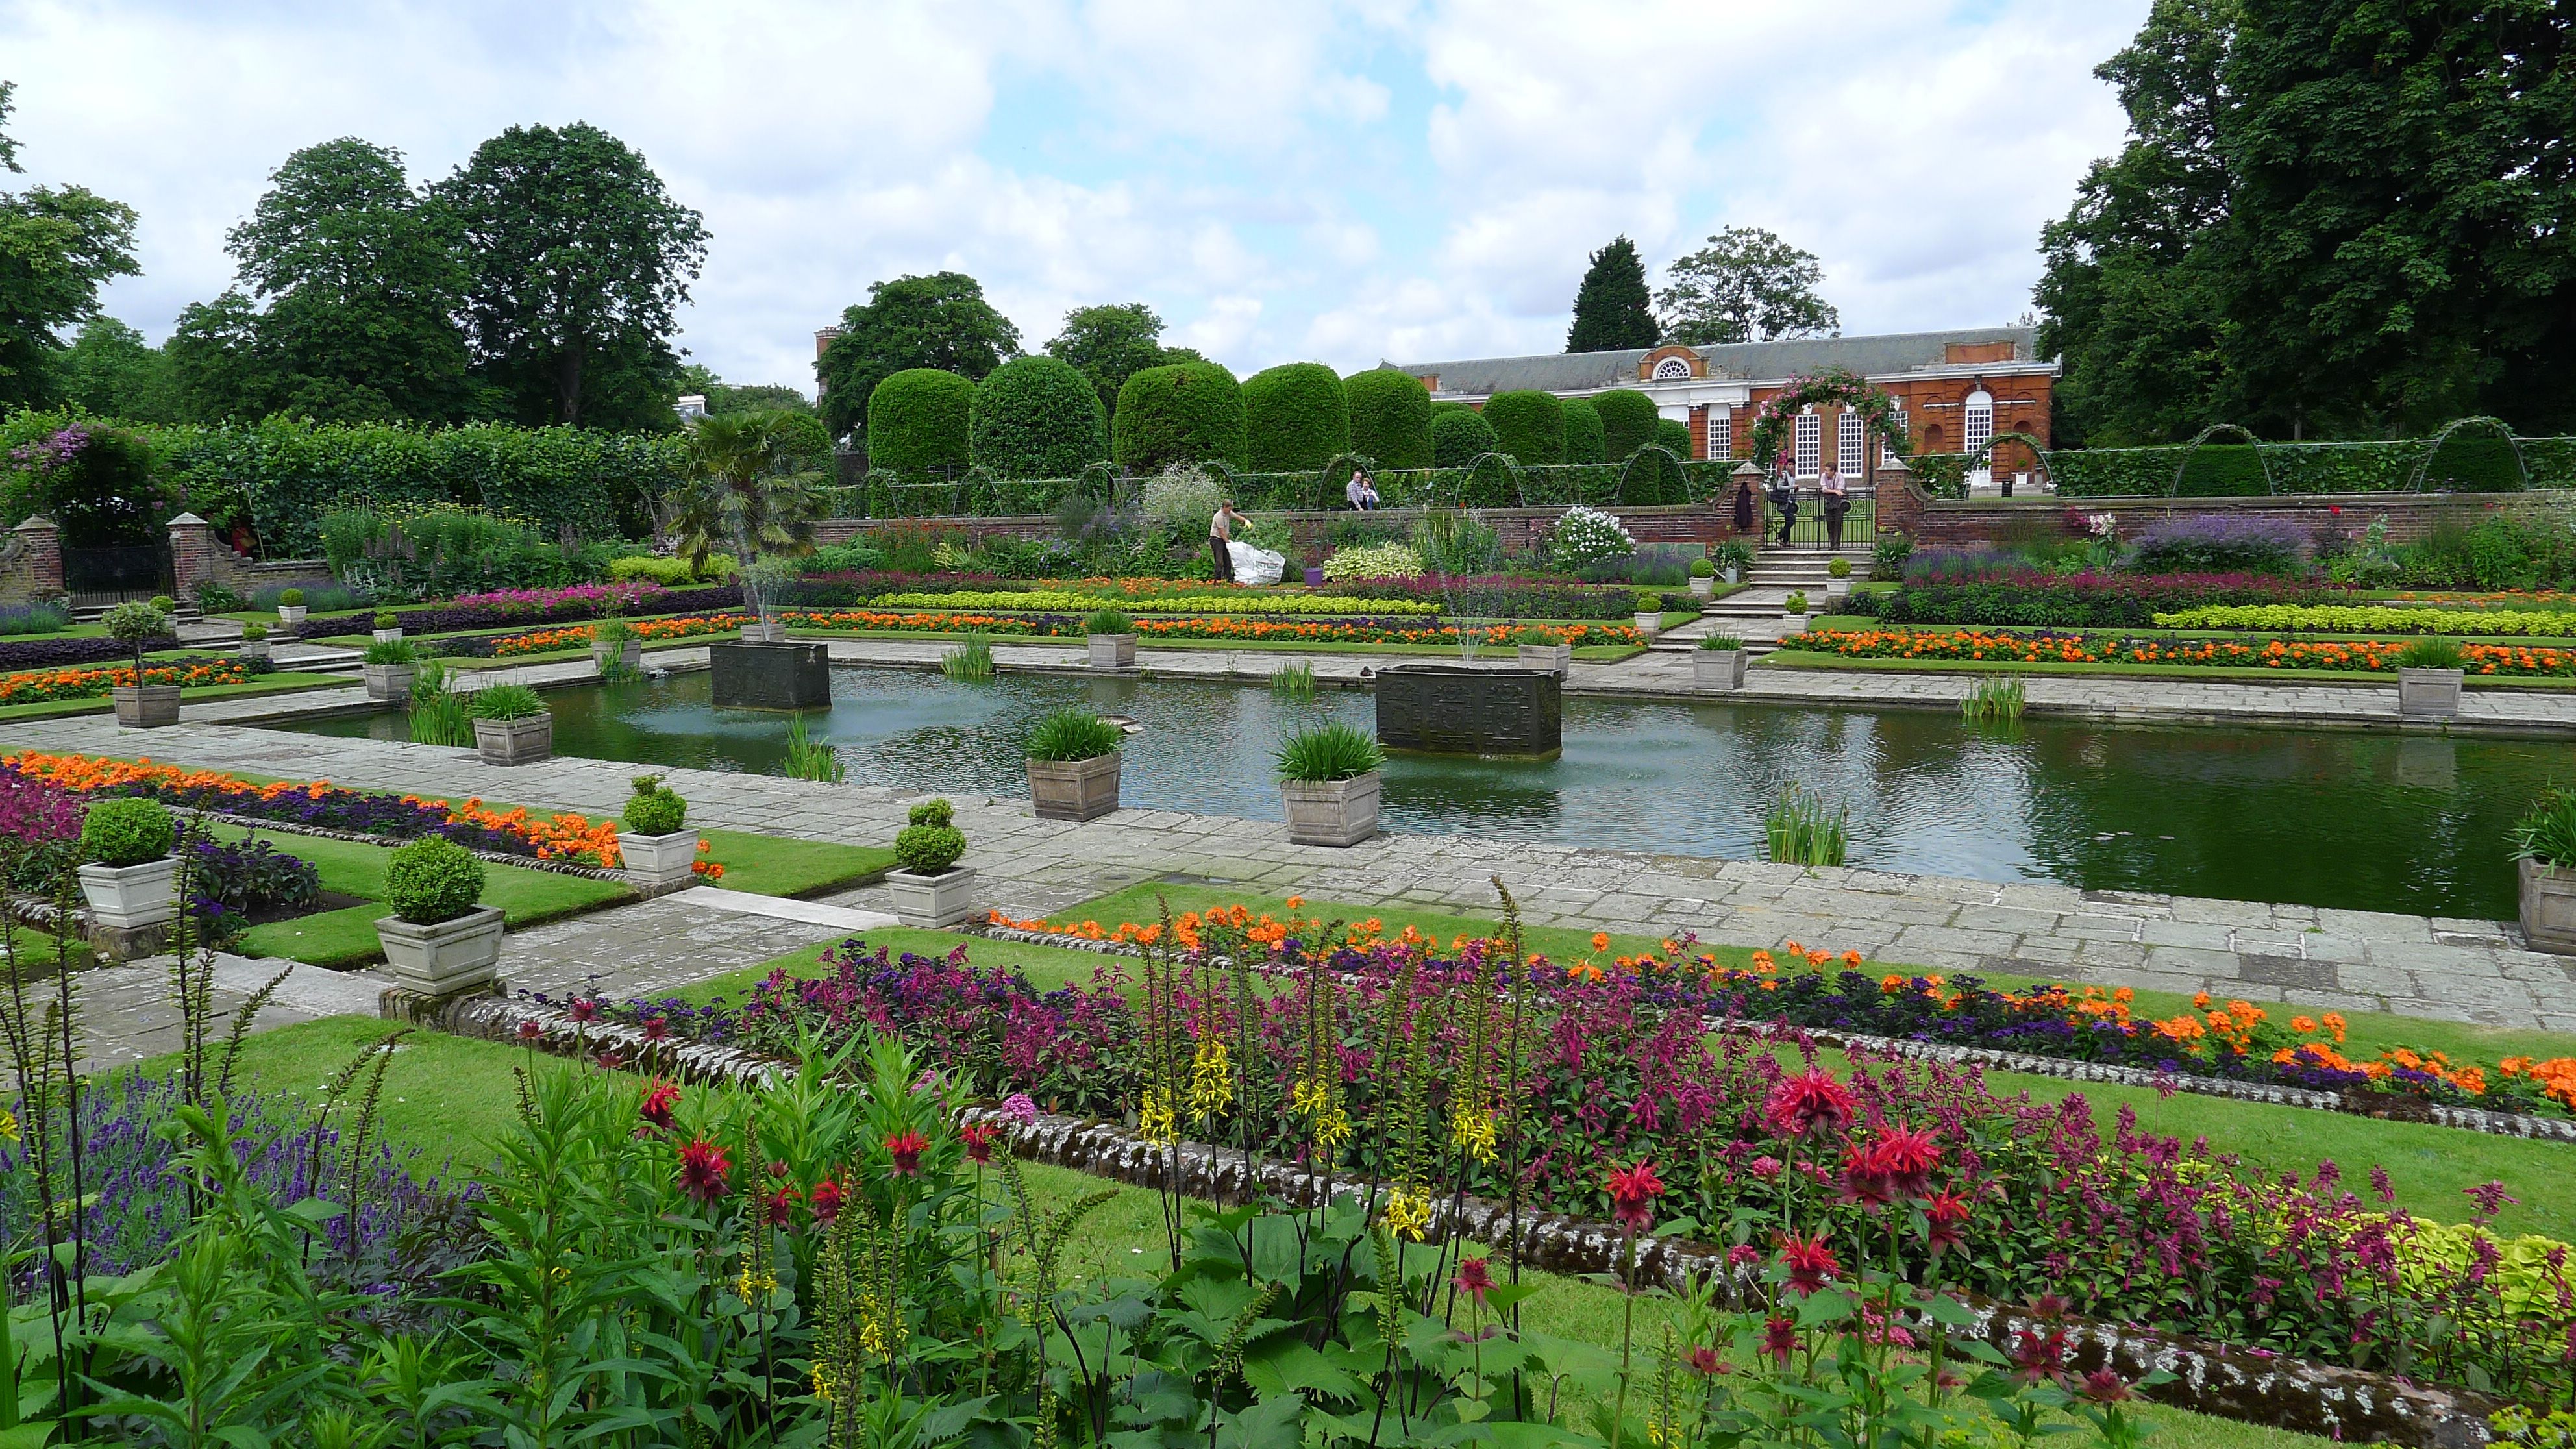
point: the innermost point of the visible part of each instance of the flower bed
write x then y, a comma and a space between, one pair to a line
2508, 661
2029, 597
588, 601
579, 636
60, 653
1500, 594
1401, 630
2371, 619
49, 685
1063, 599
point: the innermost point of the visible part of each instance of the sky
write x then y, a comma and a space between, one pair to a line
1364, 180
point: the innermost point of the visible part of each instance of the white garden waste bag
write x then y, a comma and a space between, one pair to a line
1254, 565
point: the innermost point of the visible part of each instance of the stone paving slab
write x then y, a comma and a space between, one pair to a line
651, 948
125, 1013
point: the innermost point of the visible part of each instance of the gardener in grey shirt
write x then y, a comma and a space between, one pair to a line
1221, 533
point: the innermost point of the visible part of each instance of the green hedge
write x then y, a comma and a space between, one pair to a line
1673, 435
1295, 416
1628, 419
917, 420
1458, 435
1036, 418
1496, 485
1583, 440
2469, 461
1186, 412
1528, 424
1390, 417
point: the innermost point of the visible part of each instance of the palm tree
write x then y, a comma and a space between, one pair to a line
743, 496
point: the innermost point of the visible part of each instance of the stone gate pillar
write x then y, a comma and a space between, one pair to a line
192, 553
42, 564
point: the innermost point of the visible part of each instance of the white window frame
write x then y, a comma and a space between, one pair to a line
1673, 369
1810, 455
1718, 439
1897, 424
1848, 455
1976, 429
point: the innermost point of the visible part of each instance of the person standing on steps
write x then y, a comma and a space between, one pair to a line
1748, 505
1836, 500
1784, 497
1221, 536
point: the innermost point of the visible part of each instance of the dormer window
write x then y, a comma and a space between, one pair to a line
1673, 369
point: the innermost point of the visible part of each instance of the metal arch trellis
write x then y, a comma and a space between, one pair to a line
2192, 449
1984, 457
1834, 385
1668, 459
2433, 448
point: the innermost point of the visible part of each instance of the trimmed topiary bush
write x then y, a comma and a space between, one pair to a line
1628, 419
1186, 412
655, 808
1583, 432
1457, 437
127, 831
1529, 425
1675, 435
1036, 418
433, 879
931, 844
917, 419
1390, 417
1295, 417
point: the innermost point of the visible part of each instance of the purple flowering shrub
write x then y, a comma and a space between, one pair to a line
232, 883
40, 825
2222, 543
1971, 589
366, 812
587, 601
18, 654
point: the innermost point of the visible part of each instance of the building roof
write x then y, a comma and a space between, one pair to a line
1759, 361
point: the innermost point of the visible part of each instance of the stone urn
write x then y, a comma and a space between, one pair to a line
1075, 789
1652, 624
1331, 812
146, 706
1718, 668
932, 902
389, 682
1554, 658
290, 616
655, 864
126, 897
450, 958
2429, 693
2548, 906
629, 653
1113, 651
515, 741
1703, 588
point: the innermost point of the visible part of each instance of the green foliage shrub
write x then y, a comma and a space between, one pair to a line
1458, 436
918, 419
127, 831
1296, 417
1072, 734
1035, 417
1628, 419
1108, 621
673, 573
1529, 425
1674, 434
1390, 417
1583, 435
433, 879
392, 651
2548, 832
931, 843
508, 702
1186, 412
1328, 752
655, 808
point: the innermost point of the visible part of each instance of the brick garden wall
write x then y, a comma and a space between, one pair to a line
1967, 523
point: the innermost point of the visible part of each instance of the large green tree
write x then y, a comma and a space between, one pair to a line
1746, 285
345, 307
1610, 308
580, 261
740, 397
940, 321
58, 246
111, 371
1112, 342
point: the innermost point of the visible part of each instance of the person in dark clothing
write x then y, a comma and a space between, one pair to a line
1784, 496
1748, 505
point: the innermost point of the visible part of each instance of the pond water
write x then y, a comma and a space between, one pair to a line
2329, 818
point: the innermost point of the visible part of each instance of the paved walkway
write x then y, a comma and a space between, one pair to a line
2347, 960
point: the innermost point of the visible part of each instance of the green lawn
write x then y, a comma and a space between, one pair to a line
1818, 659
347, 937
771, 865
1606, 653
284, 681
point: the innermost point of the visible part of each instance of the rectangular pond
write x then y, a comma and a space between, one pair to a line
2331, 818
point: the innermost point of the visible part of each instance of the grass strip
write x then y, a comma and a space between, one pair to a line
347, 936
282, 682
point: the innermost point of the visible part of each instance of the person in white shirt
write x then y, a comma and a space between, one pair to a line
1836, 499
1361, 490
1221, 537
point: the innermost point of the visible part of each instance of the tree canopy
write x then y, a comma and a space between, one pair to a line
1746, 285
940, 321
58, 246
1610, 310
1112, 342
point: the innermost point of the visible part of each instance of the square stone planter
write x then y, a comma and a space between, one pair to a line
1731, 575
388, 636
1113, 651
290, 615
146, 706
389, 681
770, 676
1075, 789
630, 653
1793, 624
1652, 624
1718, 668
1837, 589
515, 741
2430, 693
1554, 658
1331, 812
2548, 907
659, 863
253, 649
451, 958
124, 897
1703, 588
932, 902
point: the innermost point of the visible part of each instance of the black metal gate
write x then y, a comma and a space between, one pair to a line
1815, 526
95, 577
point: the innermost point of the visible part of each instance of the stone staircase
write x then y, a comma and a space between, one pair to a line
1759, 612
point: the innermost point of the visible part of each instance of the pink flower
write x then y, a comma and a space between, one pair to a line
1633, 1194
1474, 1279
1020, 1109
703, 1166
1811, 1102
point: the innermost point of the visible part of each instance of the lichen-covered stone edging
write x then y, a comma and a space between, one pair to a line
2235, 1383
2385, 1106
359, 837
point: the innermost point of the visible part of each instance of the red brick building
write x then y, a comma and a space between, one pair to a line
1956, 390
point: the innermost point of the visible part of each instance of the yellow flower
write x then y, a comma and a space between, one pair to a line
748, 1287
1408, 1213
1211, 1083
1332, 1129
822, 1384
1473, 1132
1155, 1119
8, 1124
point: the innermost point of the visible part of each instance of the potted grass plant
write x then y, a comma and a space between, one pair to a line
512, 725
1703, 579
290, 608
931, 890
254, 640
1073, 765
1329, 778
1718, 663
1112, 636
1650, 613
440, 940
2429, 673
613, 646
391, 666
388, 626
136, 624
129, 872
2544, 855
659, 852
1537, 647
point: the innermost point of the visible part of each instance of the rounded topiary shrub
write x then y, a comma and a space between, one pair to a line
1628, 419
1529, 425
433, 879
1036, 418
917, 419
1295, 417
1674, 434
931, 844
1390, 417
127, 831
1582, 432
1183, 413
1457, 437
655, 808
804, 439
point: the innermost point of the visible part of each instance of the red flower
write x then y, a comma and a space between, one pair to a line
529, 1030
1810, 1262
979, 1141
1863, 1182
1905, 1157
656, 1028
779, 1206
826, 1200
1811, 1102
658, 1101
703, 1166
1943, 1216
1704, 1360
906, 1148
1779, 1340
2103, 1386
2039, 1356
1473, 1279
611, 1060
584, 1010
1633, 1194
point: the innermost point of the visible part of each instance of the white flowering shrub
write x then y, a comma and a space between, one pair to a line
1379, 561
1588, 536
1181, 497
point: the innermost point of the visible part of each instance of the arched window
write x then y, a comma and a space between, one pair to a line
1977, 428
1671, 368
1847, 453
1811, 444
